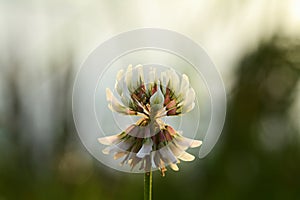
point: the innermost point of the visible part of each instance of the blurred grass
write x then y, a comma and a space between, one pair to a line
41, 156
258, 156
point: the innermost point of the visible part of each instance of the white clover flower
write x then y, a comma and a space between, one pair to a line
150, 141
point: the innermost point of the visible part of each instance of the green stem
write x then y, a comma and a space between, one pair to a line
148, 186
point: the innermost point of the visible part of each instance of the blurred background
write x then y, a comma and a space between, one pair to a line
255, 45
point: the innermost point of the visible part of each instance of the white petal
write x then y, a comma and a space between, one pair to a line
106, 150
109, 139
196, 143
184, 84
126, 101
146, 149
164, 78
174, 81
120, 155
128, 78
152, 75
133, 130
156, 160
157, 98
114, 104
167, 155
135, 79
152, 155
119, 82
122, 146
141, 132
185, 143
188, 102
186, 156
186, 109
140, 72
125, 145
126, 98
190, 96
147, 132
176, 150
127, 158
174, 167
135, 160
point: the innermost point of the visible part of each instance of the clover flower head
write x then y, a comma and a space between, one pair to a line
150, 142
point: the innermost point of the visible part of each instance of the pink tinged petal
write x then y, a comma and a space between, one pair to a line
186, 156
174, 167
171, 130
109, 140
167, 97
171, 107
154, 89
146, 149
162, 137
167, 135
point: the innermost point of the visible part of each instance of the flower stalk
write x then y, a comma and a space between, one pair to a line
148, 185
